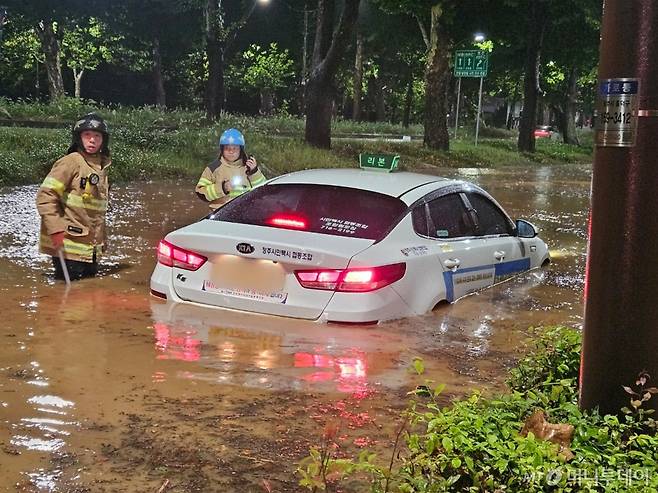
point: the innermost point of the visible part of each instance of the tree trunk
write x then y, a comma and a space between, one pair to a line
158, 80
304, 77
327, 53
510, 123
569, 130
325, 12
358, 77
508, 114
380, 103
37, 84
319, 106
77, 77
408, 101
50, 48
537, 13
214, 93
437, 72
266, 102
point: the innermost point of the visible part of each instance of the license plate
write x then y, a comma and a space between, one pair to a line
233, 272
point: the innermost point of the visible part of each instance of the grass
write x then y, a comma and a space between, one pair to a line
150, 142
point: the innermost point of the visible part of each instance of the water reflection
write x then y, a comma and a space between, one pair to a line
276, 352
19, 232
44, 433
183, 346
50, 400
349, 373
45, 480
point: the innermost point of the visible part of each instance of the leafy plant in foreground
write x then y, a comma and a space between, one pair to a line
476, 445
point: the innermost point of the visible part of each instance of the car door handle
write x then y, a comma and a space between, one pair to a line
452, 263
499, 255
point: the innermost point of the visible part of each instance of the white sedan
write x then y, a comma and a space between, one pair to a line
346, 245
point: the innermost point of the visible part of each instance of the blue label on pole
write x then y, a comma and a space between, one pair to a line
612, 87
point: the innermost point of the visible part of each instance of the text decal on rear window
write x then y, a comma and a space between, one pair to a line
291, 254
341, 225
323, 209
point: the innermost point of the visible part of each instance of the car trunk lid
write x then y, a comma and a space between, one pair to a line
259, 275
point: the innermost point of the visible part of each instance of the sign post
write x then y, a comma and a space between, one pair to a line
459, 90
470, 63
477, 120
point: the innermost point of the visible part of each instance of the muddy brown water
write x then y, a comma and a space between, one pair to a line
105, 389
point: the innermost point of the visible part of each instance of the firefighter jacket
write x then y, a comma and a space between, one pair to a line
73, 199
222, 181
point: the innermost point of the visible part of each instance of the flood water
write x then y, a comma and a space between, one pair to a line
105, 389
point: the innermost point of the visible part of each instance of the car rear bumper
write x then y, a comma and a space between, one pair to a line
376, 306
161, 285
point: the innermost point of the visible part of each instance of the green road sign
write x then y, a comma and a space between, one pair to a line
384, 162
471, 63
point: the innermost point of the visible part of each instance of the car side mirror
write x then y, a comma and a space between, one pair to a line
525, 229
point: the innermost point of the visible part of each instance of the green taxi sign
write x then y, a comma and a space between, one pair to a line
384, 162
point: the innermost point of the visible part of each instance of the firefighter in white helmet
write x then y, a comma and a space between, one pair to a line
231, 174
72, 201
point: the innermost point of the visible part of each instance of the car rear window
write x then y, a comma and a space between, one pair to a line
332, 210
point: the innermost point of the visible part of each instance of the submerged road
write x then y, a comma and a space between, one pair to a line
103, 388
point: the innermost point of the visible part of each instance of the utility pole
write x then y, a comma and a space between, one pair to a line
620, 335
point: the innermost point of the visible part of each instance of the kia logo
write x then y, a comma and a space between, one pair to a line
244, 248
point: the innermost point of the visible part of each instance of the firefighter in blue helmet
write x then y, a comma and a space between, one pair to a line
231, 174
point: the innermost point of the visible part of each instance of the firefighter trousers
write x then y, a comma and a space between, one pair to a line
77, 270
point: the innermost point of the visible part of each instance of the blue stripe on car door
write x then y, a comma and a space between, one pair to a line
500, 269
512, 266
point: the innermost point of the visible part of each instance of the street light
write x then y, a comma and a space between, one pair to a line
253, 7
477, 38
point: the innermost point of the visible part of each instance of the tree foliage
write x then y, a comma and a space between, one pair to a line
262, 70
84, 48
266, 69
20, 58
178, 51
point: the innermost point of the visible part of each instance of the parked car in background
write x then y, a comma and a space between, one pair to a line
346, 245
544, 132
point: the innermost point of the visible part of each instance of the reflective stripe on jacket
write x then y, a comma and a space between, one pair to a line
209, 186
68, 202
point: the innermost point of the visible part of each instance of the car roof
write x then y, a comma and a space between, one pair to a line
394, 184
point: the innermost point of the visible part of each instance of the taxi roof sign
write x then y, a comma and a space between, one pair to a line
383, 162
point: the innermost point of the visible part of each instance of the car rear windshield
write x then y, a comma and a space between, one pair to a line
332, 210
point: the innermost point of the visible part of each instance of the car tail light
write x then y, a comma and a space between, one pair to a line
357, 280
319, 279
287, 221
173, 256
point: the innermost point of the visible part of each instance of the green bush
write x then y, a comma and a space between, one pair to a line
551, 371
475, 444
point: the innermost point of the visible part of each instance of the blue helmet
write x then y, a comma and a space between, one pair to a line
232, 137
